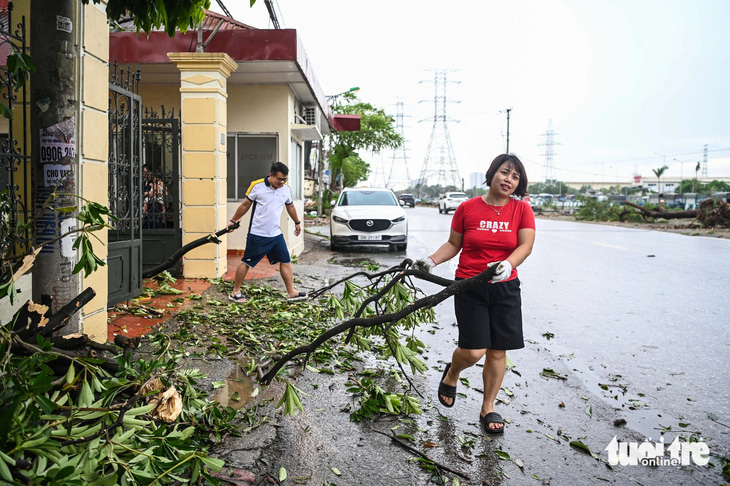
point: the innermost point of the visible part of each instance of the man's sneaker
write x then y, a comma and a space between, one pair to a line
239, 297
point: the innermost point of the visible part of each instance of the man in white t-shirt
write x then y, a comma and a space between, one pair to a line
266, 197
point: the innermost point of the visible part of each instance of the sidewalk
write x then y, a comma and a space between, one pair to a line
131, 325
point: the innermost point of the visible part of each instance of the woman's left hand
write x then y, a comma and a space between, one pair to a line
504, 270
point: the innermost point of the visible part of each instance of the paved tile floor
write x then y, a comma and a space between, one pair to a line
132, 326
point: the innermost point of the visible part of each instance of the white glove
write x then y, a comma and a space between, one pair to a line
424, 264
504, 270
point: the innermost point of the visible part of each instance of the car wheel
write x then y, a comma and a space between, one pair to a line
440, 212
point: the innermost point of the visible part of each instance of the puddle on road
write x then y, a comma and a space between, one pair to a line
356, 262
237, 390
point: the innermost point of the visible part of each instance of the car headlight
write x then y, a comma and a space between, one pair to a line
337, 219
399, 220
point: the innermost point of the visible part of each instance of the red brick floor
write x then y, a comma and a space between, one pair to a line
132, 326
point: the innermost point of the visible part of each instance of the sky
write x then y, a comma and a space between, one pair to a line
627, 85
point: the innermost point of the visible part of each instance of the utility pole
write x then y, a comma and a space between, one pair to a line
53, 122
508, 110
320, 176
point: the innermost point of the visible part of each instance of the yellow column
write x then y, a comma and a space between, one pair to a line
93, 146
203, 98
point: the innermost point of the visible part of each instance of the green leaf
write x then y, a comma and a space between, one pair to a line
108, 480
582, 447
86, 396
218, 384
282, 473
290, 400
589, 411
336, 471
5, 472
67, 209
47, 405
70, 374
213, 463
5, 111
502, 455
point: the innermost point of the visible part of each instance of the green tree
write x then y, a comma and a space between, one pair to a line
716, 186
172, 15
553, 187
377, 132
697, 169
659, 172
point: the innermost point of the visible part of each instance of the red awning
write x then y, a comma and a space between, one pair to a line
345, 123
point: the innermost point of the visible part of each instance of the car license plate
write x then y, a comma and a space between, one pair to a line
369, 237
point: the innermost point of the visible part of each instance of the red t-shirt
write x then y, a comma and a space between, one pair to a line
488, 236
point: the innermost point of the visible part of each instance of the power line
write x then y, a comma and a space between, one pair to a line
223, 7
272, 14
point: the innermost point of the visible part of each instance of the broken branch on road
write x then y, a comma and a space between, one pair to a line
399, 273
424, 456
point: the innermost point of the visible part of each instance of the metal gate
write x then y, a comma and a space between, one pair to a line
15, 168
125, 185
161, 229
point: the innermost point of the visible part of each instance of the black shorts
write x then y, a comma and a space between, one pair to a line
490, 316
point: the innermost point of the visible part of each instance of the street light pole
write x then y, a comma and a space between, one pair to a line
681, 172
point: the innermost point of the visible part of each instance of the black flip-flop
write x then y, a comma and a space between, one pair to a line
492, 418
446, 390
301, 296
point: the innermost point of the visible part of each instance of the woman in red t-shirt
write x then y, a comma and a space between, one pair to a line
494, 229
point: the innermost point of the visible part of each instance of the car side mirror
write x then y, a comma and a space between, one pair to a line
401, 202
332, 202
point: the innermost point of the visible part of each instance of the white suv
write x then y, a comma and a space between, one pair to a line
368, 216
450, 201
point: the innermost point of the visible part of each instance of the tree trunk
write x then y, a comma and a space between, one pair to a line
664, 214
53, 131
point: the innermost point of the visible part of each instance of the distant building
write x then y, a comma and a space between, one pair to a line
649, 184
476, 180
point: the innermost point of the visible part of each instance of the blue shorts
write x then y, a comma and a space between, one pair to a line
273, 247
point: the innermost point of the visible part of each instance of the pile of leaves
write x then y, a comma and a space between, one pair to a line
267, 327
70, 421
595, 210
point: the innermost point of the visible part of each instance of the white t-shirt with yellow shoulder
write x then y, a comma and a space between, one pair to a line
266, 208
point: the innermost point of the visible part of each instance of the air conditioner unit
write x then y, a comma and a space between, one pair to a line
311, 115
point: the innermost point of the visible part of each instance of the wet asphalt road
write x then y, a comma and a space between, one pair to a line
650, 306
642, 313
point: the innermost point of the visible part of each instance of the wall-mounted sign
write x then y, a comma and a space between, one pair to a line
64, 24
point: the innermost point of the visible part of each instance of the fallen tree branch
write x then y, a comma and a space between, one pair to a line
378, 276
424, 456
428, 301
690, 213
21, 347
59, 319
175, 257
